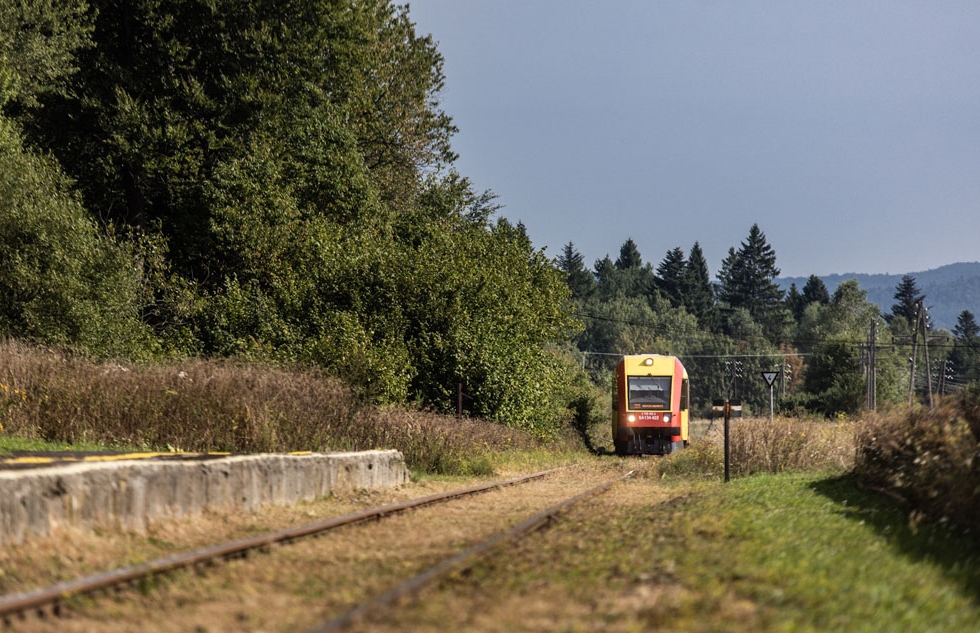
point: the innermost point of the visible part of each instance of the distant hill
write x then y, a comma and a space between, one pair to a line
949, 289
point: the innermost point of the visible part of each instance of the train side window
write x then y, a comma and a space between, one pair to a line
685, 394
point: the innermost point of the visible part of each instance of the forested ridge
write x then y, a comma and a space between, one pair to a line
949, 289
270, 182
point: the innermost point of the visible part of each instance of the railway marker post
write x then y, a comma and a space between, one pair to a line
729, 408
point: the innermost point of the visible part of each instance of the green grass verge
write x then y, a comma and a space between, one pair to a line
10, 444
815, 553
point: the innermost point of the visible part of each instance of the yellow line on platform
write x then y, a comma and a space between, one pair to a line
39, 459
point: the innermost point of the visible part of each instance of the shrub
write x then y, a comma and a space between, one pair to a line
62, 280
928, 457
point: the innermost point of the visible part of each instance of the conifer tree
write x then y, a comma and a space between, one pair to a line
746, 278
907, 296
580, 281
629, 256
671, 277
699, 295
966, 329
795, 303
815, 290
965, 358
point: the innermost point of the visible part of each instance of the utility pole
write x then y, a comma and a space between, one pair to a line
915, 340
872, 378
925, 349
920, 324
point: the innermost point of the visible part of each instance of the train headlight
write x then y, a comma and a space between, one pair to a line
631, 418
666, 417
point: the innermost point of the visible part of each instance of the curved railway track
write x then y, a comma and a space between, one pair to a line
22, 604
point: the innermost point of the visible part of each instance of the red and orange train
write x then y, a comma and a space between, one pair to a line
650, 405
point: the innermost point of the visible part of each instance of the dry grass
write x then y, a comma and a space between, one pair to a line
214, 405
759, 445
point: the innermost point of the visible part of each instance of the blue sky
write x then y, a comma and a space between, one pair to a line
849, 131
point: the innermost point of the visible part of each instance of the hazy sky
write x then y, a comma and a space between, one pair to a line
849, 131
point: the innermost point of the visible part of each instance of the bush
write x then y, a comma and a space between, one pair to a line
928, 457
62, 281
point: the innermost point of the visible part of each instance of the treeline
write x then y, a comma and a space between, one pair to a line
270, 182
731, 329
267, 181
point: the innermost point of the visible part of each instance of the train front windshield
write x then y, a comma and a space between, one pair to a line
649, 392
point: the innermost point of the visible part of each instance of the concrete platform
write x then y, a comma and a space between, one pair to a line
131, 494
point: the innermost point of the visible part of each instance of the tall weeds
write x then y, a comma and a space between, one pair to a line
211, 405
758, 445
791, 444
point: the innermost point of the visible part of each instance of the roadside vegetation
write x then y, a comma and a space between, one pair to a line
929, 458
52, 400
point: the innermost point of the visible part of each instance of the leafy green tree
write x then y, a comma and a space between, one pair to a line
580, 281
306, 81
835, 333
746, 277
62, 281
634, 325
38, 44
286, 169
834, 378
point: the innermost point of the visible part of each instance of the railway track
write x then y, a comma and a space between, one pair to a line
103, 601
384, 601
49, 600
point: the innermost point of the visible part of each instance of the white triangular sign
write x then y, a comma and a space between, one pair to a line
770, 377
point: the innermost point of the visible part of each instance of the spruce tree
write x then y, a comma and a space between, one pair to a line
795, 302
580, 281
699, 295
815, 290
671, 277
747, 282
966, 329
907, 296
629, 256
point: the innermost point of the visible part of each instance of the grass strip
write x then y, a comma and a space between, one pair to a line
818, 553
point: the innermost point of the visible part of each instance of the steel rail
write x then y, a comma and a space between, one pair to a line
458, 562
21, 603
